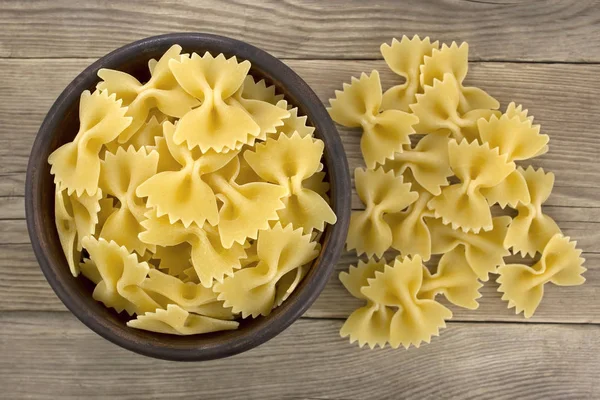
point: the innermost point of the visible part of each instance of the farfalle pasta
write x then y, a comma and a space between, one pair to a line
194, 199
460, 168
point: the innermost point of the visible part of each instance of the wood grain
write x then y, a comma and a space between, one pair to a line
52, 353
352, 29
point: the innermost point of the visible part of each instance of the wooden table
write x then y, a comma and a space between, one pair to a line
543, 54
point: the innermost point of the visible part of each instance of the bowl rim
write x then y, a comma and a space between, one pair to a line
339, 181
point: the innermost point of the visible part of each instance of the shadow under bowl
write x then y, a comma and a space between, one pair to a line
61, 125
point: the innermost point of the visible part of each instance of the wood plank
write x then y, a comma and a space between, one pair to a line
24, 288
52, 353
496, 30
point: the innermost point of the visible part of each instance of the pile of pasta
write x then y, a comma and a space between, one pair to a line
192, 199
440, 163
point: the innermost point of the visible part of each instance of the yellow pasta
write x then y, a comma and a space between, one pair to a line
176, 321
275, 161
121, 174
384, 133
145, 136
405, 58
531, 229
260, 91
76, 165
161, 91
174, 259
382, 193
477, 166
251, 291
294, 123
523, 286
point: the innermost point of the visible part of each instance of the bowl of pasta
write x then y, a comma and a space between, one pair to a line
187, 196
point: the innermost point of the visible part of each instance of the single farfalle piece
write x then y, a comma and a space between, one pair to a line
189, 296
76, 165
260, 91
384, 133
210, 259
162, 91
415, 320
454, 279
410, 234
477, 166
369, 324
289, 161
121, 175
405, 58
454, 59
122, 274
251, 291
176, 321
382, 193
76, 218
174, 259
523, 286
531, 229
484, 250
246, 208
215, 124
183, 195
438, 111
294, 123
428, 162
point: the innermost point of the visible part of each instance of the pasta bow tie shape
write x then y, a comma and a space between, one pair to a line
411, 320
454, 59
384, 133
182, 194
162, 91
290, 162
121, 276
515, 136
484, 250
176, 321
210, 259
76, 165
189, 296
523, 286
454, 279
218, 124
477, 166
410, 234
246, 208
428, 162
76, 218
405, 58
121, 175
531, 229
382, 193
438, 111
252, 290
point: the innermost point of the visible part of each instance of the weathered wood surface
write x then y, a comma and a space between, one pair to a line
546, 30
46, 354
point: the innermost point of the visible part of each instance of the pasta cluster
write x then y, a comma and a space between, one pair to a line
191, 200
441, 163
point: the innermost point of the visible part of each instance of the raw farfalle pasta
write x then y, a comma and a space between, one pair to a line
477, 167
531, 229
274, 161
523, 286
76, 165
161, 91
359, 105
460, 168
405, 58
194, 199
383, 193
251, 291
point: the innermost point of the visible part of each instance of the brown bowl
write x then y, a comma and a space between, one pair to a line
61, 125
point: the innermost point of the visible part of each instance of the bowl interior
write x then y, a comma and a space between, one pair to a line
61, 126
